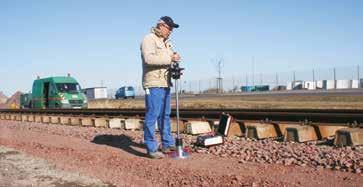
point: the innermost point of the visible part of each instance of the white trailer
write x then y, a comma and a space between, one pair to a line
96, 93
343, 84
355, 84
310, 85
330, 84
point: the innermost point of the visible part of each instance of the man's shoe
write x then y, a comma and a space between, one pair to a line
156, 155
168, 149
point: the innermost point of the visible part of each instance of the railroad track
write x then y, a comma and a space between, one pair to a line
330, 116
291, 124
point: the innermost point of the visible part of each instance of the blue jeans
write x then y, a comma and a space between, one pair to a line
157, 102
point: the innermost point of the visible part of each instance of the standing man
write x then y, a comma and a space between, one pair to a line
157, 55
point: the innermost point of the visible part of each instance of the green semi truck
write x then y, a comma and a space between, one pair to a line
54, 92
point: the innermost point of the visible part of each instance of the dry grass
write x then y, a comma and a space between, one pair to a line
278, 102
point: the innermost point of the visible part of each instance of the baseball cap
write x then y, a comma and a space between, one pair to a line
167, 20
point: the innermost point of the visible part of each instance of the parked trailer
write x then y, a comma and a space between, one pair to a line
54, 92
289, 86
343, 84
310, 85
96, 93
330, 84
355, 84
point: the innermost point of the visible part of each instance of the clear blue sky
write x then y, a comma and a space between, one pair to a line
98, 41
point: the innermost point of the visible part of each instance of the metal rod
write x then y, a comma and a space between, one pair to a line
177, 107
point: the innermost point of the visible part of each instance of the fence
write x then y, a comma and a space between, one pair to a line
233, 83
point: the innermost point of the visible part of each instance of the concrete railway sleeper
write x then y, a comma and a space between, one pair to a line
342, 134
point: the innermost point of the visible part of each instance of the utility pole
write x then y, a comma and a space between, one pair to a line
233, 90
219, 64
185, 87
277, 79
313, 75
261, 78
190, 86
359, 86
293, 77
335, 79
358, 73
210, 84
199, 86
314, 79
253, 71
246, 79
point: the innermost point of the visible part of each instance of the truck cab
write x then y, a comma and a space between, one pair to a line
57, 92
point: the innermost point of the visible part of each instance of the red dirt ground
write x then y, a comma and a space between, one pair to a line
118, 157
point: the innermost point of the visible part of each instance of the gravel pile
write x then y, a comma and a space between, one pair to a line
348, 159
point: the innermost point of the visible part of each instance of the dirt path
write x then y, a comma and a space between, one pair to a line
18, 169
118, 157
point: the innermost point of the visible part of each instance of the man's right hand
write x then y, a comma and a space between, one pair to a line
175, 57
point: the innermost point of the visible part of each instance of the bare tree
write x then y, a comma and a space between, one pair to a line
218, 62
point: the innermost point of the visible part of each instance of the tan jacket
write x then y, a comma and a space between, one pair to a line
156, 59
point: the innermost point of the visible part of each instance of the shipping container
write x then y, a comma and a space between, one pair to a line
343, 84
330, 84
355, 84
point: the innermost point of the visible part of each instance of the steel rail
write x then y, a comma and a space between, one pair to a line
333, 116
